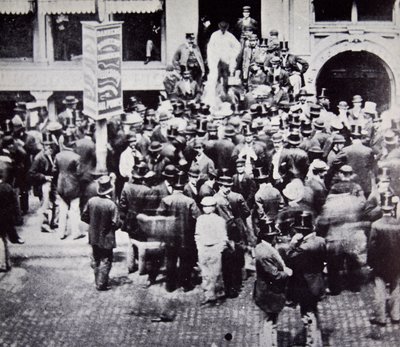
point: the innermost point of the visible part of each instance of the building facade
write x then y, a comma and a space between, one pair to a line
352, 45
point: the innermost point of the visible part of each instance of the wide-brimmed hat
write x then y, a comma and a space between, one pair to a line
70, 100
105, 185
170, 171
390, 137
155, 146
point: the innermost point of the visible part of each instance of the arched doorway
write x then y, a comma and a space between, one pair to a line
350, 73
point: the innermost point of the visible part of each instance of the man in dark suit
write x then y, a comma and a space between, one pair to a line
243, 183
68, 188
188, 89
182, 245
383, 257
160, 131
246, 24
202, 162
316, 182
361, 159
306, 256
101, 213
270, 285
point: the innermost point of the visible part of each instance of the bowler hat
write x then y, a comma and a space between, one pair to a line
229, 131
343, 105
315, 152
163, 116
170, 171
105, 185
357, 98
140, 170
318, 124
70, 100
277, 137
390, 137
225, 180
194, 171
294, 138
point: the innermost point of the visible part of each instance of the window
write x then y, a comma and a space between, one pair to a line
16, 36
375, 10
67, 35
332, 10
137, 30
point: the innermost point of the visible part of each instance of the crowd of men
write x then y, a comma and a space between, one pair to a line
281, 185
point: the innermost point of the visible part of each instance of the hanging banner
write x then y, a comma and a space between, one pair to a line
102, 60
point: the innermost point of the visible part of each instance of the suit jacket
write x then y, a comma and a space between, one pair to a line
246, 57
321, 138
41, 167
86, 149
132, 202
67, 166
220, 152
188, 191
185, 211
194, 92
206, 190
291, 64
203, 164
101, 213
306, 259
246, 187
383, 248
319, 193
361, 159
268, 200
242, 26
181, 56
270, 285
155, 195
282, 78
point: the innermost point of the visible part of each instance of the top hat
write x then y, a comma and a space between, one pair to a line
172, 132
369, 107
306, 128
273, 111
303, 221
323, 94
47, 138
201, 126
284, 46
90, 129
212, 127
248, 130
263, 43
7, 127
69, 122
170, 171
390, 137
356, 130
357, 98
267, 228
205, 110
69, 140
337, 138
395, 125
294, 138
255, 110
388, 201
70, 100
208, 201
260, 173
140, 170
303, 92
155, 146
105, 185
181, 180
315, 110
343, 105
384, 175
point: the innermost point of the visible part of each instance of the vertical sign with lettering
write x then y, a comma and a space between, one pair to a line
102, 59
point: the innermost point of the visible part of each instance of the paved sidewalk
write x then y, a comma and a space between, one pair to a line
49, 299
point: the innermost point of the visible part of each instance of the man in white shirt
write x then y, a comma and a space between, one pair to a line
129, 157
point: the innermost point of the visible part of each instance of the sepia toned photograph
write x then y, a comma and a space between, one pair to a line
199, 173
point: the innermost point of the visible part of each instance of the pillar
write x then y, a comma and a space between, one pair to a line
42, 97
39, 36
300, 21
101, 145
271, 17
181, 17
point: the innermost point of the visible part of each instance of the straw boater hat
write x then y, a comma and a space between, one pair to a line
70, 100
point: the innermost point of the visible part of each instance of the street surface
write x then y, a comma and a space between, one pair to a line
49, 299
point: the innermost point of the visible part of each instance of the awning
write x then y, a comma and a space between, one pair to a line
89, 6
16, 6
133, 6
62, 6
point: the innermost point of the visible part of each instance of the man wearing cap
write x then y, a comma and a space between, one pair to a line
188, 58
306, 256
68, 188
132, 202
382, 257
246, 23
248, 56
273, 41
188, 90
291, 63
233, 208
182, 245
101, 213
270, 285
211, 239
361, 159
41, 177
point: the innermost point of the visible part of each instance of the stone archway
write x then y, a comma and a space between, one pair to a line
333, 45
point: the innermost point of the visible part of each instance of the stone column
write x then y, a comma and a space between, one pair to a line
39, 36
42, 97
271, 17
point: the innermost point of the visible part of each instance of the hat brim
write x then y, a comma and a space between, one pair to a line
70, 102
107, 191
159, 149
225, 184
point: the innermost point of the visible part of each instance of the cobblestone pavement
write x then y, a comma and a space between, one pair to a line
49, 299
